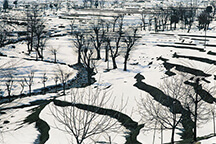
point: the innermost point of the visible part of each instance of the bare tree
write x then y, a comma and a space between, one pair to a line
114, 50
79, 43
87, 58
98, 38
42, 46
63, 75
40, 40
5, 5
22, 84
115, 20
3, 35
54, 52
56, 79
205, 18
9, 85
72, 26
44, 80
68, 5
197, 103
83, 124
212, 110
29, 81
107, 25
143, 16
35, 31
84, 3
155, 113
129, 41
32, 17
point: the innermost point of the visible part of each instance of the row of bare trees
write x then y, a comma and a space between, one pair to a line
36, 35
61, 76
165, 18
100, 37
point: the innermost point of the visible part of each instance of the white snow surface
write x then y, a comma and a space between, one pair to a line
121, 82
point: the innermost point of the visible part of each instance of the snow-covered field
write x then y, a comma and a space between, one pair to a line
119, 83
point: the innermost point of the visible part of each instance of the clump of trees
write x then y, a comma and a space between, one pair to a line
164, 18
205, 18
5, 5
99, 37
36, 38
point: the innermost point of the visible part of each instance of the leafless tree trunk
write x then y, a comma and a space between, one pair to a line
40, 43
197, 103
9, 85
129, 41
63, 76
56, 79
22, 84
72, 26
212, 109
79, 43
88, 62
98, 38
114, 50
44, 80
107, 26
3, 35
54, 52
114, 21
29, 81
106, 51
43, 42
32, 14
213, 119
156, 24
143, 16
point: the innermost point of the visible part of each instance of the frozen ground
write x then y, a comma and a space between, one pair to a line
120, 82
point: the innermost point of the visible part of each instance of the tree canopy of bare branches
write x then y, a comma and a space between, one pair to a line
98, 38
63, 76
129, 40
35, 31
84, 124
